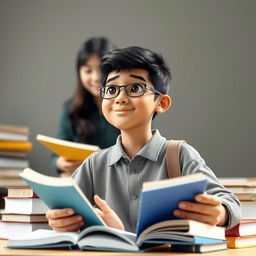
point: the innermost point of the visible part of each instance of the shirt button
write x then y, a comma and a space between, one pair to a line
133, 172
134, 196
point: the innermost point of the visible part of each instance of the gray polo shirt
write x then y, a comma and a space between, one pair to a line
116, 178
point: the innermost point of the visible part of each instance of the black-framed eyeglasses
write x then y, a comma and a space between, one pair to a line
132, 90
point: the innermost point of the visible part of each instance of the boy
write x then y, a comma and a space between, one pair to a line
135, 82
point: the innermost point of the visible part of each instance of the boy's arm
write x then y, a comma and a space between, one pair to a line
191, 162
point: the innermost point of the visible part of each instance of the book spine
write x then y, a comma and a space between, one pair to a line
11, 145
22, 197
233, 231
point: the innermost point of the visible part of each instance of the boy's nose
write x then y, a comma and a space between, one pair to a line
122, 97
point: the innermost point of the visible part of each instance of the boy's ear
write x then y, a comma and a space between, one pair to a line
164, 102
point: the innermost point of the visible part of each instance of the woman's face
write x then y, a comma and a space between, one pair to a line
90, 75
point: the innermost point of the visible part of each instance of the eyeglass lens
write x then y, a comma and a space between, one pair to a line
132, 90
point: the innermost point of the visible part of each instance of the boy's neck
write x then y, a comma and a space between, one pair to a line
134, 140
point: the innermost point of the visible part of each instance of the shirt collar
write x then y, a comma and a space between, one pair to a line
150, 151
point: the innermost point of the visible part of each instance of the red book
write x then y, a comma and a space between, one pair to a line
244, 228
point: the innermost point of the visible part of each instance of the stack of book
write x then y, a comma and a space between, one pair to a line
14, 147
23, 212
244, 234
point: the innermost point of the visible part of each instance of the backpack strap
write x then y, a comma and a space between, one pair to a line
172, 158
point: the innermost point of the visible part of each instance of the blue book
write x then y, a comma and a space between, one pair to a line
160, 198
59, 193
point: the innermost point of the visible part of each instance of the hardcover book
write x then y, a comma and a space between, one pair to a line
244, 228
25, 205
16, 145
14, 132
23, 217
72, 151
241, 242
11, 229
21, 192
13, 162
240, 185
248, 209
16, 129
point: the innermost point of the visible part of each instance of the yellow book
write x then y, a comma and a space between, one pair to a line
241, 241
16, 145
71, 151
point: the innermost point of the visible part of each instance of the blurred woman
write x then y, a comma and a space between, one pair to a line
81, 119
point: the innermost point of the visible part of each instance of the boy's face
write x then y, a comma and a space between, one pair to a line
126, 112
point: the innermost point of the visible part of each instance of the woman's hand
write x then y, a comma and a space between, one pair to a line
67, 166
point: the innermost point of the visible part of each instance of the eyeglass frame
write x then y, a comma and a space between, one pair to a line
102, 90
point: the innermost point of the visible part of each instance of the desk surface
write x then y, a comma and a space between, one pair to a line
58, 252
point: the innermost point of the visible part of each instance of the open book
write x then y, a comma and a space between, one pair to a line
156, 225
72, 151
58, 193
110, 239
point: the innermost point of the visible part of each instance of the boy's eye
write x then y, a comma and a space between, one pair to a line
111, 90
136, 88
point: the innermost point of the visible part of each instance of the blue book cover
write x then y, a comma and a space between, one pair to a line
186, 240
59, 193
160, 198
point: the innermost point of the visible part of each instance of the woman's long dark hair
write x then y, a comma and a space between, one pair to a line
83, 103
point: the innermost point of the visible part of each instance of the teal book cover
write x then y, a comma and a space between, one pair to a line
59, 193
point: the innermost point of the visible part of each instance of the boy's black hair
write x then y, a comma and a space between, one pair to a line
137, 57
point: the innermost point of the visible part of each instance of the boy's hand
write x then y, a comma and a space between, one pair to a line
207, 209
64, 220
107, 214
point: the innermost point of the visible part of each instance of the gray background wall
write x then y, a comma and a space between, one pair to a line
209, 45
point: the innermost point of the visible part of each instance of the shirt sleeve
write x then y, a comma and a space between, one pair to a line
191, 162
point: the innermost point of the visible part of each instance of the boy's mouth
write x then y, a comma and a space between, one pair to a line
122, 110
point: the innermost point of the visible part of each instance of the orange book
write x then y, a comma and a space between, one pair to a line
16, 145
241, 241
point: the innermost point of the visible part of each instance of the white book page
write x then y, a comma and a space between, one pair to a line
43, 237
